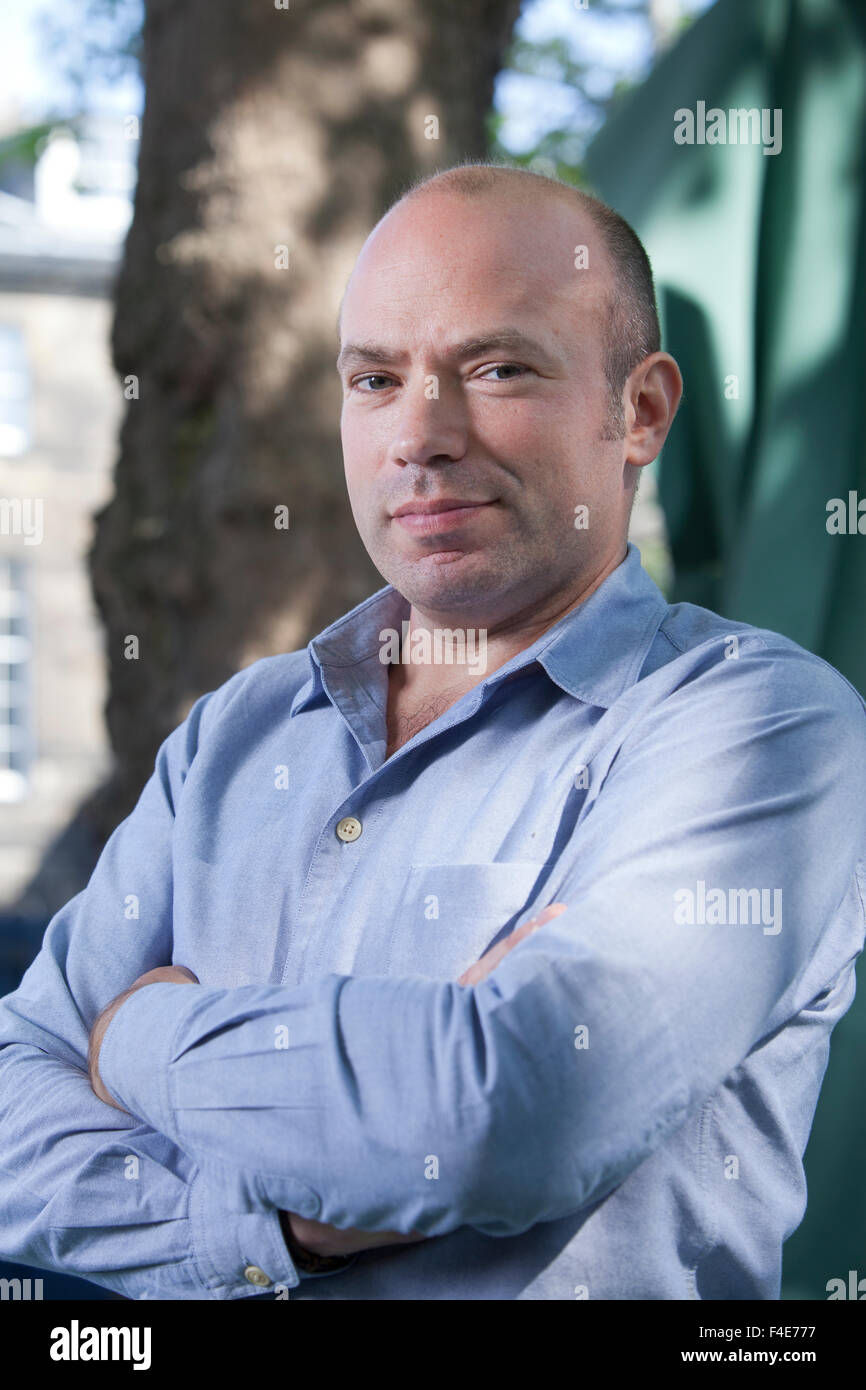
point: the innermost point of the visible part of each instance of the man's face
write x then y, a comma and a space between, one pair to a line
436, 410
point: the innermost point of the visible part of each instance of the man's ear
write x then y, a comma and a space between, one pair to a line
652, 395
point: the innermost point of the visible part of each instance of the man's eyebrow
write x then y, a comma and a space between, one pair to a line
507, 339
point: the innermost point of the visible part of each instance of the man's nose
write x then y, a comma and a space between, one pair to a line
430, 426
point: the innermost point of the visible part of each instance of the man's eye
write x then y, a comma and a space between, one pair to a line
506, 367
371, 376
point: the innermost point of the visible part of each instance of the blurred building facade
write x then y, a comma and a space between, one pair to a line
63, 217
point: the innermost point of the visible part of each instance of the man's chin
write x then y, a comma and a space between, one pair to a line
446, 580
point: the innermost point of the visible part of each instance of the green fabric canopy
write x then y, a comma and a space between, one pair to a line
760, 266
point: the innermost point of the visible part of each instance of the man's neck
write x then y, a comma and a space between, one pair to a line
434, 661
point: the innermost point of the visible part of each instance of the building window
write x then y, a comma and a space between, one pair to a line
15, 670
14, 393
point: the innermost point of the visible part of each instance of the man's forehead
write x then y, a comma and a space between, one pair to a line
505, 255
491, 228
540, 345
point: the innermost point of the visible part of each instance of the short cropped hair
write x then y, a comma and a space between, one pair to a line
632, 329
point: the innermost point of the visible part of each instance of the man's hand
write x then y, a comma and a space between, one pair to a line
319, 1237
491, 958
163, 974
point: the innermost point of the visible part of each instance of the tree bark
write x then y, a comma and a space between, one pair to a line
263, 128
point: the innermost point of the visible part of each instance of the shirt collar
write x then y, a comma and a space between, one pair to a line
594, 653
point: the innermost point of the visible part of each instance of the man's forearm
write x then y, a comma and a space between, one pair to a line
88, 1191
233, 1080
316, 1247
403, 1104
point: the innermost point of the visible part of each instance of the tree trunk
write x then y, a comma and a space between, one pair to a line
263, 128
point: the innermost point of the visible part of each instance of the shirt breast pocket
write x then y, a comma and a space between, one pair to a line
450, 914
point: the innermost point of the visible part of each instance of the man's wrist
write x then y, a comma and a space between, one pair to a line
97, 1034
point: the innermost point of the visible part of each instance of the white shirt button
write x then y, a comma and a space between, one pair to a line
349, 828
254, 1275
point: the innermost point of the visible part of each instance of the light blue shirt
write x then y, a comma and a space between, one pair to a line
618, 1111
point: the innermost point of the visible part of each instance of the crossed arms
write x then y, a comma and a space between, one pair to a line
309, 1236
174, 1194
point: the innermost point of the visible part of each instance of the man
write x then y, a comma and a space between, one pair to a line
371, 1085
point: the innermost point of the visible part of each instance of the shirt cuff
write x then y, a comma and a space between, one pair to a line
136, 1050
238, 1247
237, 1243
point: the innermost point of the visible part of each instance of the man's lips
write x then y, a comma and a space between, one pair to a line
427, 518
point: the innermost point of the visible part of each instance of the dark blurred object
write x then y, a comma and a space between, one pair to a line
20, 939
55, 1287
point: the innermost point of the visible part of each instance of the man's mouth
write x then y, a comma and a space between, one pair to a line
426, 517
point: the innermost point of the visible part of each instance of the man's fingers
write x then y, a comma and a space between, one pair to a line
166, 974
491, 958
188, 973
553, 910
323, 1239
